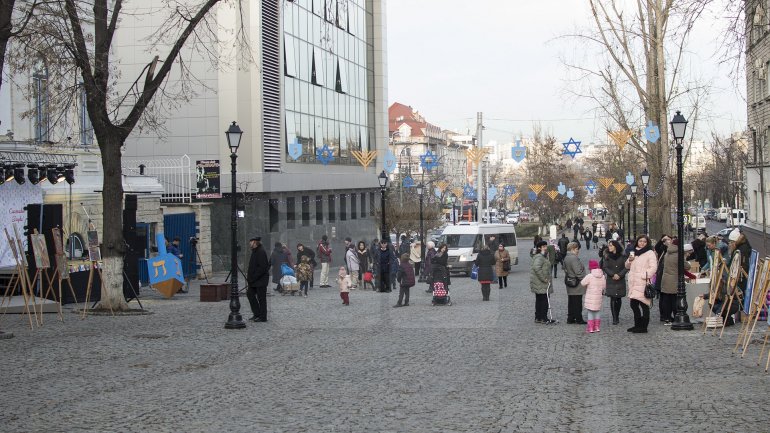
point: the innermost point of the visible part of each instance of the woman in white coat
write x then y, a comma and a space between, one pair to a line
642, 263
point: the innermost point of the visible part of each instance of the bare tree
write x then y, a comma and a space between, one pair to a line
642, 49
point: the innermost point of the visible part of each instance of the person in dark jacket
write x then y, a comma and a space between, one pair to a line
439, 269
485, 260
384, 257
277, 258
363, 261
258, 277
303, 251
405, 279
660, 251
575, 271
613, 266
699, 253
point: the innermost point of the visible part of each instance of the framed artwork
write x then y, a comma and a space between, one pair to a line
40, 251
57, 241
94, 254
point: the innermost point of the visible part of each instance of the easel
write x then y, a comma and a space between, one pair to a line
733, 294
41, 269
22, 278
60, 269
94, 256
718, 268
756, 306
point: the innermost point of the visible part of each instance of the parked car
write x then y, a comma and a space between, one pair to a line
512, 218
724, 233
711, 214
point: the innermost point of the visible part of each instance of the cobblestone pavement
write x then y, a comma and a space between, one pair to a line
318, 366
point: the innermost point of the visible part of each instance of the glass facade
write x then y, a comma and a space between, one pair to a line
326, 97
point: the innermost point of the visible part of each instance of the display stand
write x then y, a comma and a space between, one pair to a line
718, 268
42, 264
94, 255
22, 279
756, 306
733, 294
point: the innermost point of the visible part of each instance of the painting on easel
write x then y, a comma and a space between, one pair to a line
40, 250
94, 254
57, 242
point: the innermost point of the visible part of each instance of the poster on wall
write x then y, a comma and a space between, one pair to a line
13, 199
207, 178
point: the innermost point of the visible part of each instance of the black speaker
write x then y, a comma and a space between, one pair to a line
134, 249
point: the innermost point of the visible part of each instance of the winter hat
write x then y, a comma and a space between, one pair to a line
540, 244
734, 235
593, 264
688, 247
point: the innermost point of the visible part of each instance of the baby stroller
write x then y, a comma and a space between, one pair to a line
440, 287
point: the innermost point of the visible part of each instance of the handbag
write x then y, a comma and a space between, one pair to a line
649, 290
506, 266
475, 272
368, 277
571, 281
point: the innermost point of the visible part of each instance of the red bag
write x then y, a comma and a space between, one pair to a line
368, 277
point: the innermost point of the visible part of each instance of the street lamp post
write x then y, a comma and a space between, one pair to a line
620, 211
420, 190
634, 187
234, 320
681, 320
628, 220
383, 180
645, 184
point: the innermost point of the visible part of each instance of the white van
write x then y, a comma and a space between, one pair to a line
737, 218
699, 223
723, 214
466, 239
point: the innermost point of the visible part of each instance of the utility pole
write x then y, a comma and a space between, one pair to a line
479, 129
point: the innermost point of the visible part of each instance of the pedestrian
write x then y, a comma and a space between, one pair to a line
351, 259
502, 265
364, 261
574, 271
277, 259
595, 285
289, 257
304, 274
403, 246
173, 249
641, 263
415, 256
540, 283
553, 257
588, 236
344, 282
382, 266
485, 261
258, 278
492, 242
439, 264
394, 265
427, 267
613, 265
307, 252
325, 256
406, 280
669, 282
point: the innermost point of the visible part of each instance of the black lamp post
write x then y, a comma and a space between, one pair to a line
620, 211
681, 320
634, 187
628, 220
645, 183
383, 180
420, 190
234, 321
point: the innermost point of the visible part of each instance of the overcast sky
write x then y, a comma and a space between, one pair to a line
449, 59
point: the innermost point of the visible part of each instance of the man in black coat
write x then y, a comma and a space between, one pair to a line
258, 277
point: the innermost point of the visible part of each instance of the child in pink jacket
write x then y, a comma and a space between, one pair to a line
595, 284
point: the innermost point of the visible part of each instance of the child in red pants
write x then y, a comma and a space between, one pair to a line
344, 281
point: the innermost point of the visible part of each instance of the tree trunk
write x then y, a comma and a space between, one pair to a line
6, 12
113, 248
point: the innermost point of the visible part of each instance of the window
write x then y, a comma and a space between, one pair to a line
343, 207
371, 204
363, 205
274, 213
353, 210
40, 83
508, 239
332, 203
305, 210
86, 129
291, 214
319, 210
289, 56
342, 76
317, 77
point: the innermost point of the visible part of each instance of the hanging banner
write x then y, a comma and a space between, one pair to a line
570, 194
515, 196
476, 154
606, 181
324, 155
441, 185
571, 148
207, 178
561, 188
469, 192
590, 186
532, 196
458, 191
536, 188
408, 182
491, 193
621, 137
652, 132
429, 160
630, 179
509, 189
619, 186
295, 149
552, 194
518, 152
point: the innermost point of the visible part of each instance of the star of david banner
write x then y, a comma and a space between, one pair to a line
324, 155
429, 160
590, 186
509, 189
571, 148
469, 192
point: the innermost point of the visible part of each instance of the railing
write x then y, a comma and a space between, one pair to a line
175, 174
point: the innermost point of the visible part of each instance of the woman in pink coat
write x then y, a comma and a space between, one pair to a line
642, 263
595, 283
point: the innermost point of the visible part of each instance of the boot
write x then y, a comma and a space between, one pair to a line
590, 327
616, 303
597, 325
637, 321
643, 322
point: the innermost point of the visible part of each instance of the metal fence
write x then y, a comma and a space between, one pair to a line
175, 174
